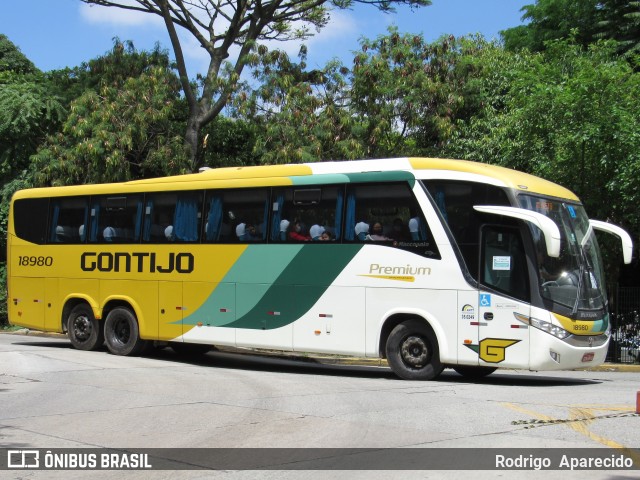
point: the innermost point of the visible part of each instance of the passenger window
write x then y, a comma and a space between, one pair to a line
172, 217
236, 215
67, 219
30, 219
115, 219
309, 214
390, 215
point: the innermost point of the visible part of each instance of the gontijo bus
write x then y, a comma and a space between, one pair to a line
430, 263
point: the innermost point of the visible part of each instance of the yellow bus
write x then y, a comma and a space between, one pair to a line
429, 263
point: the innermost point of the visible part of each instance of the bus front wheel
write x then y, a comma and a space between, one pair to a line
412, 351
121, 332
85, 332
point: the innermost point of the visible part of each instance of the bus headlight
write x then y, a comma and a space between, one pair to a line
547, 327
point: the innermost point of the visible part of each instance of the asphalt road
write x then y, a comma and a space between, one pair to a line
53, 396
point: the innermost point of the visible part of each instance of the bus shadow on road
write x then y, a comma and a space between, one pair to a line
286, 362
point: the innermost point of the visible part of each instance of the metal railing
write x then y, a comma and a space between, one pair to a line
624, 346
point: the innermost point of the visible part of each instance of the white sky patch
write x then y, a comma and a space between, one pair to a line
113, 16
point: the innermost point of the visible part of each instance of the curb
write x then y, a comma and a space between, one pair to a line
325, 359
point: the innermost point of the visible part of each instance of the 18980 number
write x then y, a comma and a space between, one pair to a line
26, 261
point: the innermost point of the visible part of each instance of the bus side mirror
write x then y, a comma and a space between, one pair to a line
627, 243
549, 228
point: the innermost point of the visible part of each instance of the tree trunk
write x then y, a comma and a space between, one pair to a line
191, 139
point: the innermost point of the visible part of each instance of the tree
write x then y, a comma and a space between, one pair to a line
586, 21
411, 93
124, 126
568, 115
301, 116
219, 26
29, 111
553, 20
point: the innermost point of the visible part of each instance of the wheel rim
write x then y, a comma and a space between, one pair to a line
82, 327
121, 331
414, 351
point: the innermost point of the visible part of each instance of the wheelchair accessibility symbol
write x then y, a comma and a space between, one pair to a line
485, 300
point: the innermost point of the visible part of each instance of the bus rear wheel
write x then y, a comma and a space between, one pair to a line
122, 334
412, 351
85, 332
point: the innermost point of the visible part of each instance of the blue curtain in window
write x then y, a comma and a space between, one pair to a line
277, 216
55, 215
423, 229
148, 215
350, 217
95, 216
185, 224
82, 230
440, 201
338, 225
139, 217
214, 219
265, 219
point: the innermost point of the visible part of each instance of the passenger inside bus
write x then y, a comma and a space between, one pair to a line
296, 234
362, 230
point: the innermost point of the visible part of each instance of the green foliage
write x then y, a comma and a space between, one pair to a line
585, 21
300, 116
553, 20
229, 143
411, 92
12, 59
566, 115
28, 110
122, 132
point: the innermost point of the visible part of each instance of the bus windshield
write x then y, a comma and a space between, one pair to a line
575, 278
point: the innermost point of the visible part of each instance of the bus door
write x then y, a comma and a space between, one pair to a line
503, 341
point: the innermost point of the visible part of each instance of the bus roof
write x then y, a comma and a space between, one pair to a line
331, 172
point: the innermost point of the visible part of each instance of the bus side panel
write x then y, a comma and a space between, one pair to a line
27, 301
169, 310
143, 298
53, 307
207, 323
257, 318
438, 307
335, 324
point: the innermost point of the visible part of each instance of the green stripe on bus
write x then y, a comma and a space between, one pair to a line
299, 287
258, 265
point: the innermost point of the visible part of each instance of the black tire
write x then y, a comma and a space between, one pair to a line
85, 332
122, 334
190, 349
412, 351
474, 372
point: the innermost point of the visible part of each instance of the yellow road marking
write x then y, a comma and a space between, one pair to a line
583, 416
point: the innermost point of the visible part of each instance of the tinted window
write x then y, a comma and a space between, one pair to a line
68, 219
172, 217
307, 214
236, 215
116, 218
455, 200
30, 219
504, 265
388, 214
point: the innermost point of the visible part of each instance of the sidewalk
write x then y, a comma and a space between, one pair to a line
327, 359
